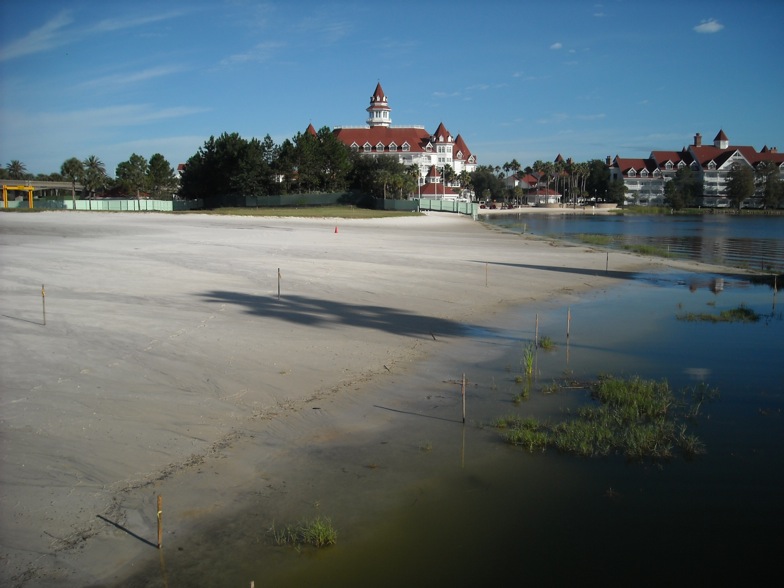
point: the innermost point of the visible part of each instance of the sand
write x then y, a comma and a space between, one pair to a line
170, 339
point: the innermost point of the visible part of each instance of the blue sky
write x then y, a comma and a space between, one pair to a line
521, 80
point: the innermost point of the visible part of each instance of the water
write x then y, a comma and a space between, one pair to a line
429, 502
722, 239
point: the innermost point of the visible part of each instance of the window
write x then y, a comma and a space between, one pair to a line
632, 173
354, 146
644, 173
392, 147
406, 146
668, 165
367, 147
379, 146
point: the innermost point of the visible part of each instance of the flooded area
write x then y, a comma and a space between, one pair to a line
428, 500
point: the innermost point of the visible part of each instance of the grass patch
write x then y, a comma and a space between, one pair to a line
651, 250
307, 212
741, 314
640, 419
317, 532
546, 343
595, 239
529, 353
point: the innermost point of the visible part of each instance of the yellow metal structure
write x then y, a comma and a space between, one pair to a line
28, 189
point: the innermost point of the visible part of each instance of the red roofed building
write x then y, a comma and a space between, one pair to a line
645, 178
412, 145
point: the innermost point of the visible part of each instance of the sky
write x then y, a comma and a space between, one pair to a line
518, 79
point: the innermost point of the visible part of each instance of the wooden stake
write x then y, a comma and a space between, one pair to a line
607, 263
485, 274
568, 321
43, 301
463, 393
278, 283
536, 333
160, 522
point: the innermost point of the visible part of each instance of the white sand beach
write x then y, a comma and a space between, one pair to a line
168, 337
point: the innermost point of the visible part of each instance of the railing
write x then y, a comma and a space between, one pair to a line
111, 204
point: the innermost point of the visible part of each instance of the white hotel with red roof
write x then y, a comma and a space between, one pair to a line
645, 178
411, 145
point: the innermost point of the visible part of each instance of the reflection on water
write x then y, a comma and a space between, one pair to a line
448, 505
755, 242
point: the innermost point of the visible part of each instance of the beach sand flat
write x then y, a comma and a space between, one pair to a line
169, 339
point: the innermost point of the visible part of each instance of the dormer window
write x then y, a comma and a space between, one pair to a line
681, 165
406, 146
429, 148
367, 147
392, 147
459, 155
354, 146
379, 147
668, 165
632, 173
712, 165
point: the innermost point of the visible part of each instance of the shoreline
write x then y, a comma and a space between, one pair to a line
166, 348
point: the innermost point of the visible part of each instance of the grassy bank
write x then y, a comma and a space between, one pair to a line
640, 419
307, 212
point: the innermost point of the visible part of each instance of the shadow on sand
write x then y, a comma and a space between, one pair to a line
316, 312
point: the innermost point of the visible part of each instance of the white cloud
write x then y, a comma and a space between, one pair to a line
709, 26
53, 34
117, 24
556, 46
124, 79
47, 36
258, 54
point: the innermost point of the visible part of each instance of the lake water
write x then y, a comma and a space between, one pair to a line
751, 241
431, 502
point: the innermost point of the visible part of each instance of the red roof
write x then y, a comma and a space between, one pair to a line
378, 100
626, 164
311, 130
442, 135
417, 138
662, 157
436, 190
461, 151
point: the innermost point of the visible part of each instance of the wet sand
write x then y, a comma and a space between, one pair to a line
172, 341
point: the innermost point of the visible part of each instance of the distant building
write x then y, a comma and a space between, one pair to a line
412, 145
645, 178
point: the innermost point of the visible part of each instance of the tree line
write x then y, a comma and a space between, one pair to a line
136, 176
230, 165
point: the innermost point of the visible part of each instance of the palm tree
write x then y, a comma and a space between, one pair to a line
94, 174
16, 170
72, 170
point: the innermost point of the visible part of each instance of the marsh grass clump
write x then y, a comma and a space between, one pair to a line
651, 250
741, 314
317, 532
546, 343
595, 239
524, 393
529, 353
634, 417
